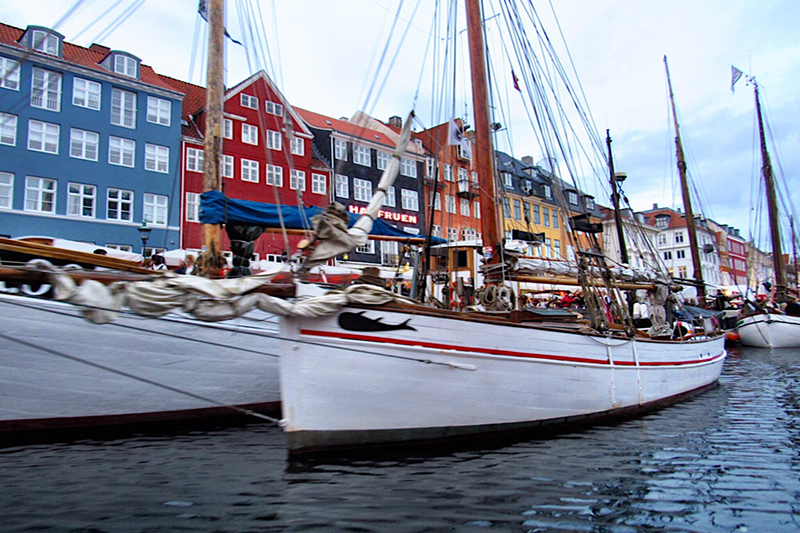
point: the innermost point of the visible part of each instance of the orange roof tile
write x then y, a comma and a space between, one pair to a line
319, 121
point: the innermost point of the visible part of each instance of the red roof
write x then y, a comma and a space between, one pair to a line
316, 120
78, 55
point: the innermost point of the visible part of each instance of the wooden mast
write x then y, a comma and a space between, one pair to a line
213, 129
687, 200
623, 248
772, 206
484, 150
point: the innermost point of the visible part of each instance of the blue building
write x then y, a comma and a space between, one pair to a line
89, 143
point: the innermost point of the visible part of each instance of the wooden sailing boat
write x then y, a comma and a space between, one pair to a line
771, 328
376, 369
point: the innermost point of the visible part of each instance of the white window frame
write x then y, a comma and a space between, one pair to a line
437, 201
194, 159
319, 183
448, 172
251, 102
159, 111
250, 170
273, 108
383, 159
6, 190
192, 207
46, 89
84, 144
121, 152
226, 166
452, 234
126, 65
368, 248
297, 180
123, 108
297, 146
362, 189
391, 197
572, 197
156, 158
250, 134
477, 209
340, 149
9, 74
43, 136
86, 93
409, 200
464, 206
155, 209
450, 204
123, 199
273, 140
362, 156
227, 128
44, 42
8, 129
40, 194
275, 175
78, 194
342, 186
408, 167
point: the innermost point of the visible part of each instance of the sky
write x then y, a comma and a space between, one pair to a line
324, 56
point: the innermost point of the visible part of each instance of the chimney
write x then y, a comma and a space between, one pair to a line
100, 48
527, 162
655, 206
396, 122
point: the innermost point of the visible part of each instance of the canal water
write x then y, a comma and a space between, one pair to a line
727, 460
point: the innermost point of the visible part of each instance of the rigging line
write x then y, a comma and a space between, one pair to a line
95, 21
130, 10
240, 349
140, 379
383, 55
394, 60
195, 40
131, 314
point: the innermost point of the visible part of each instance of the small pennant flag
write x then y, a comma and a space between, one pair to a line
516, 80
736, 74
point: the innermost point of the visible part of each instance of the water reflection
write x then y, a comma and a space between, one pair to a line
726, 460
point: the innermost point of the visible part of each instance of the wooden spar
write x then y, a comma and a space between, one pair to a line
213, 129
484, 151
687, 200
410, 239
623, 248
772, 206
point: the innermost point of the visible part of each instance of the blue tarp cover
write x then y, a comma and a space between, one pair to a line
216, 208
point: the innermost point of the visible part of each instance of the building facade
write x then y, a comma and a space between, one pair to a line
89, 143
267, 157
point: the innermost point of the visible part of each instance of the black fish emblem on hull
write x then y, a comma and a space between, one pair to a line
358, 322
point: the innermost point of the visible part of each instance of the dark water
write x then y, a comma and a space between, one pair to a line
725, 461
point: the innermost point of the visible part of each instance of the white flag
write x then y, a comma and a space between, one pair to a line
736, 74
455, 135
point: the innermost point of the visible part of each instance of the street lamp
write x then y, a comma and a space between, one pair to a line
144, 233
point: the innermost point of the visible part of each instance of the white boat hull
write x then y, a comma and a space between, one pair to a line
451, 377
770, 331
58, 370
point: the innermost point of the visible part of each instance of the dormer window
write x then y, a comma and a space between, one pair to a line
589, 201
662, 221
126, 65
45, 42
572, 197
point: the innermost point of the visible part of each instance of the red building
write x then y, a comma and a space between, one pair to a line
453, 184
267, 157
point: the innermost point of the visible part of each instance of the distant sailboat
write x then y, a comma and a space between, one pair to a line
771, 328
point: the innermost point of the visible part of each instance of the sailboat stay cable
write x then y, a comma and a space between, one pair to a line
95, 21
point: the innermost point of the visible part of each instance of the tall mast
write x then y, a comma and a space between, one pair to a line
687, 200
772, 206
484, 151
213, 128
623, 248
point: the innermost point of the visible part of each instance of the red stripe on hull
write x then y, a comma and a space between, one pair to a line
491, 351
